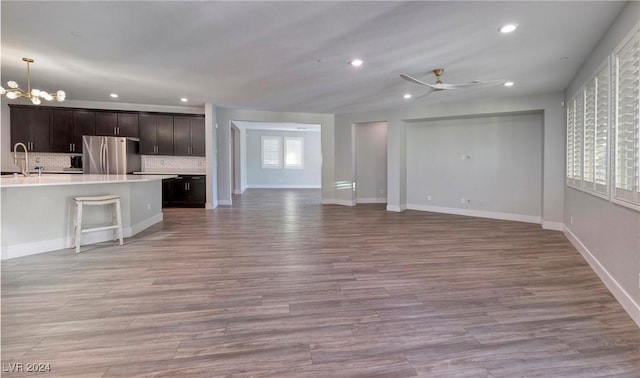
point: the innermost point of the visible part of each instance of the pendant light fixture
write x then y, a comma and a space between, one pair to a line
14, 91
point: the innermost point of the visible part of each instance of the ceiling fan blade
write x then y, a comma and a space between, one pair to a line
414, 80
472, 84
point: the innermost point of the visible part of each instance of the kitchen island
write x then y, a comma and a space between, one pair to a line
37, 211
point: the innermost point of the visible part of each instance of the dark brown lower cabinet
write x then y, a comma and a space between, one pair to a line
184, 191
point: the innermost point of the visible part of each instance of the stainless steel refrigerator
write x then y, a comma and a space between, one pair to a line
103, 155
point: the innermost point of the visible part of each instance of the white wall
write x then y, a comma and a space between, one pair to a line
493, 163
226, 116
308, 177
371, 162
608, 235
550, 105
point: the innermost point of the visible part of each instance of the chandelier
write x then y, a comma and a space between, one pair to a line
14, 91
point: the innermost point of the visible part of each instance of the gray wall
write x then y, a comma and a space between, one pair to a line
550, 105
371, 162
258, 177
607, 234
501, 171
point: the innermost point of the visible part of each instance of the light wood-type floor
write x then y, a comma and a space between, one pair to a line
281, 286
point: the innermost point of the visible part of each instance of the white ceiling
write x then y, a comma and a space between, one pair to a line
292, 56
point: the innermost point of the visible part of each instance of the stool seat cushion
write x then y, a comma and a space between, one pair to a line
108, 197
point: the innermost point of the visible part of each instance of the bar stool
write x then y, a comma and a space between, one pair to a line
115, 225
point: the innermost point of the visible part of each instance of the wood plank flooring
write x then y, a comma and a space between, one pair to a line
279, 286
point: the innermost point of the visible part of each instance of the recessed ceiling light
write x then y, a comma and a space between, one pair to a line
407, 96
114, 95
509, 84
184, 99
508, 28
356, 62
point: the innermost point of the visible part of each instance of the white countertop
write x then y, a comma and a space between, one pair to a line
172, 172
75, 179
45, 171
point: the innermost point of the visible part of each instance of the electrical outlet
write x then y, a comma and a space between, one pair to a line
429, 197
149, 207
463, 200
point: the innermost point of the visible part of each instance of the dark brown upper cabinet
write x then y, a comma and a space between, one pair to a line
31, 126
188, 136
156, 134
117, 124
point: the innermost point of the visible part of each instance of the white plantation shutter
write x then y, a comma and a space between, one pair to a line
603, 128
596, 124
601, 168
575, 141
578, 139
294, 153
589, 132
570, 130
626, 189
271, 152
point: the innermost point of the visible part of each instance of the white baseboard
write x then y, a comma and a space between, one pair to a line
477, 213
210, 205
144, 224
628, 303
284, 186
237, 191
555, 226
42, 246
396, 208
372, 200
338, 202
225, 202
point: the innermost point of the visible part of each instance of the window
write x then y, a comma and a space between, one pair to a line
626, 151
294, 153
603, 128
271, 152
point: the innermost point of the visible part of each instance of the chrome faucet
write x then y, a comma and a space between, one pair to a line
25, 159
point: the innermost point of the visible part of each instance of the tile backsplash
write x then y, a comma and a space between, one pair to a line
50, 161
57, 162
159, 163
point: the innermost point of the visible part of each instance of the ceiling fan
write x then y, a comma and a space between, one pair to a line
440, 86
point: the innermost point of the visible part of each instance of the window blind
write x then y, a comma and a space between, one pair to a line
596, 123
271, 152
571, 106
589, 133
627, 129
294, 153
578, 135
601, 160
